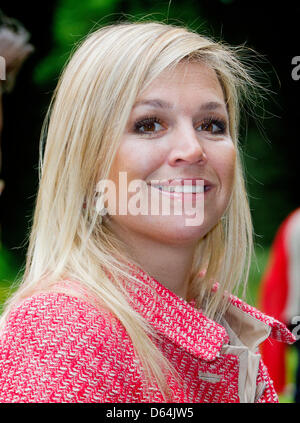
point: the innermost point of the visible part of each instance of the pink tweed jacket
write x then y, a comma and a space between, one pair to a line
59, 348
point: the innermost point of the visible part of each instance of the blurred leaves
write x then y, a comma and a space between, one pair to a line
8, 266
73, 20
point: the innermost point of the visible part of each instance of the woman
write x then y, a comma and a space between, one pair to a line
112, 307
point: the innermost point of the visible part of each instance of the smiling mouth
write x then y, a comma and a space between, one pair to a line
182, 189
182, 186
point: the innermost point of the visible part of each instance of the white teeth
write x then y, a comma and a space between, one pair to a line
164, 181
184, 189
189, 189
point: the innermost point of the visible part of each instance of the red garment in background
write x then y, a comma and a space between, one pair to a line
273, 301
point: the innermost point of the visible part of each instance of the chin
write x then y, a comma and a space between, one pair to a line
175, 230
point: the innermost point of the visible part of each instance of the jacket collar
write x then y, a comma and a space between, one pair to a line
190, 329
175, 318
250, 323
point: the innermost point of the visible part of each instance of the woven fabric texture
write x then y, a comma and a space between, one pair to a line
59, 348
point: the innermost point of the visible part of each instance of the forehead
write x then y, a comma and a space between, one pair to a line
194, 81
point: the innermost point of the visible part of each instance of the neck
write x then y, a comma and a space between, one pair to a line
169, 267
168, 264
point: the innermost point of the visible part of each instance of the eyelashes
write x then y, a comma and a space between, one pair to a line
214, 125
148, 125
152, 126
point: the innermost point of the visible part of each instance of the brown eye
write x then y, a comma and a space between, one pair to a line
213, 126
148, 126
151, 127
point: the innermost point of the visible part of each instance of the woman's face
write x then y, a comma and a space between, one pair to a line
177, 136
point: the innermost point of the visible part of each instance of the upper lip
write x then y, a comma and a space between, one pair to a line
180, 181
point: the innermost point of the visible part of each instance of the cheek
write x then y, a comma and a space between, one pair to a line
225, 163
230, 165
138, 159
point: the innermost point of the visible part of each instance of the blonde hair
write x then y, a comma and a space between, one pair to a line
87, 116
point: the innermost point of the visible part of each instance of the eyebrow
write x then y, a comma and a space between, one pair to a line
161, 104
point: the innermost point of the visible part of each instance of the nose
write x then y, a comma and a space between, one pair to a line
186, 148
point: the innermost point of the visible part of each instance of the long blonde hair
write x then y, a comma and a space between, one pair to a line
86, 119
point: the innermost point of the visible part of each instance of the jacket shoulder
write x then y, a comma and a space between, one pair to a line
42, 314
58, 348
